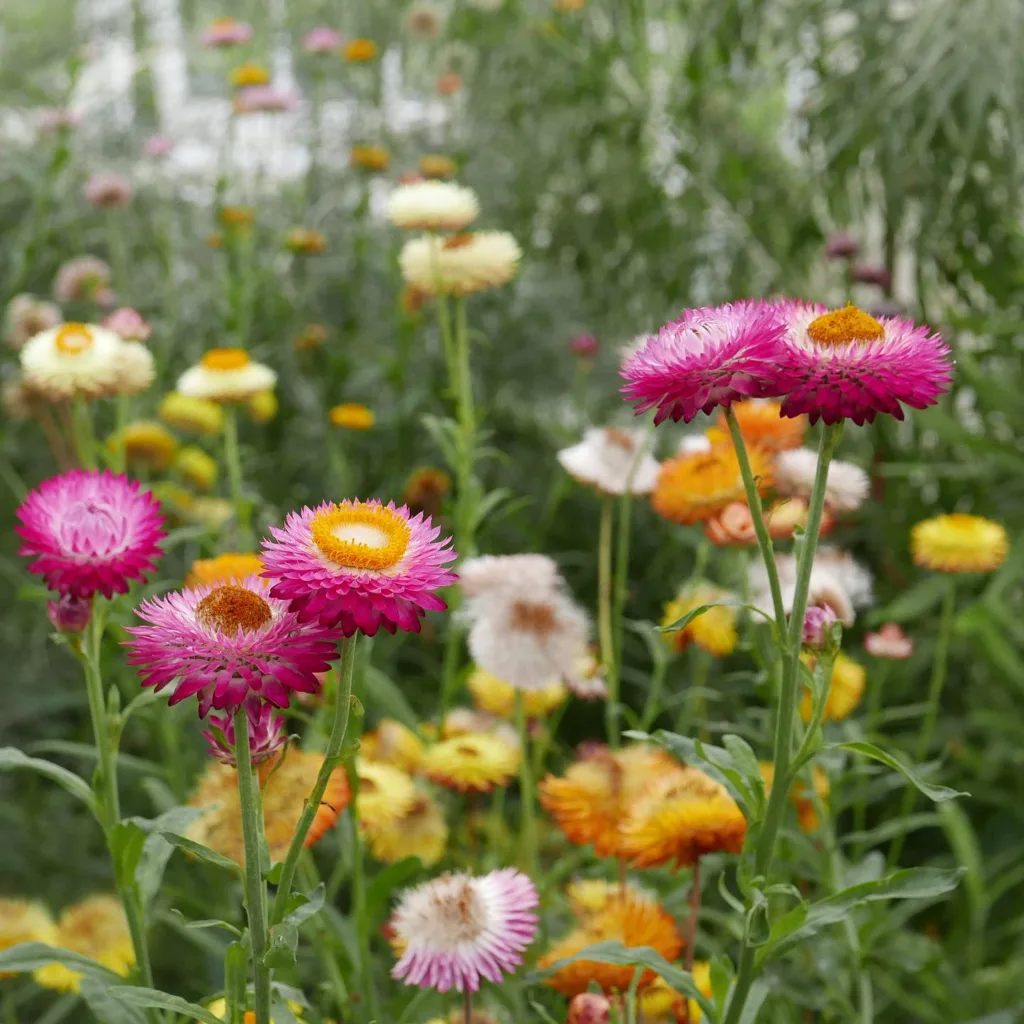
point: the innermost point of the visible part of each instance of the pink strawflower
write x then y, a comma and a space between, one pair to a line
107, 191
841, 246
158, 146
709, 357
81, 279
266, 734
264, 98
69, 614
128, 324
226, 32
90, 532
818, 622
584, 345
228, 644
848, 365
868, 273
53, 119
359, 565
889, 642
322, 40
458, 929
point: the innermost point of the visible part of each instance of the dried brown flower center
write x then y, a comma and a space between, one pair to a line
460, 910
231, 608
842, 326
534, 617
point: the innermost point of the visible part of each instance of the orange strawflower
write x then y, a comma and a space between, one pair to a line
227, 568
762, 424
357, 51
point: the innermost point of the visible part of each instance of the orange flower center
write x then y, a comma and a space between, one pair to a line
842, 326
466, 750
231, 608
459, 241
361, 536
74, 339
225, 359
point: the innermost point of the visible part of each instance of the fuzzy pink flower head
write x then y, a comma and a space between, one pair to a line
264, 98
584, 345
90, 532
458, 929
322, 40
69, 614
841, 246
266, 734
818, 622
107, 191
226, 32
158, 146
709, 357
845, 364
128, 324
359, 565
889, 642
229, 644
81, 279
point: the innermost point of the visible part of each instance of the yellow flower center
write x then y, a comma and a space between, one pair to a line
361, 536
225, 359
231, 608
842, 326
74, 339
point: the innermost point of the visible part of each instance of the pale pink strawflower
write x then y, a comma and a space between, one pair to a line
107, 191
53, 119
69, 614
889, 642
589, 1008
90, 531
128, 324
322, 40
228, 644
709, 357
81, 279
359, 565
158, 146
458, 929
264, 98
226, 32
266, 734
845, 364
818, 621
27, 316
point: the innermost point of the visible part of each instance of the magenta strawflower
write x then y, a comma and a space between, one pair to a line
359, 565
228, 644
90, 532
266, 734
846, 364
458, 929
322, 40
709, 357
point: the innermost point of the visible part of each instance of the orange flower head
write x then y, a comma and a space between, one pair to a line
732, 527
313, 336
370, 158
227, 568
306, 240
358, 51
590, 896
433, 165
762, 424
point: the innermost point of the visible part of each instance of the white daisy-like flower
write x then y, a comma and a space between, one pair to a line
72, 360
226, 375
525, 574
135, 369
611, 460
460, 264
432, 206
845, 489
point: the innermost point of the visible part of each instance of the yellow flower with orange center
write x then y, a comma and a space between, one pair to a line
308, 241
352, 416
248, 74
762, 424
472, 763
635, 922
394, 744
146, 445
420, 832
433, 165
230, 567
357, 51
370, 158
497, 697
385, 793
714, 630
806, 812
849, 678
695, 486
959, 543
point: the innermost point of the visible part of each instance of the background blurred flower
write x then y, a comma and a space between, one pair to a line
81, 279
69, 614
264, 98
27, 316
158, 146
761, 423
226, 375
197, 415
226, 32
370, 158
128, 324
425, 491
448, 83
612, 460
107, 191
420, 832
53, 119
846, 688
714, 630
889, 642
496, 697
460, 264
584, 345
230, 567
249, 73
306, 240
434, 165
432, 206
25, 921
357, 51
196, 468
146, 445
471, 762
393, 743
846, 486
322, 40
351, 416
959, 543
424, 20
841, 245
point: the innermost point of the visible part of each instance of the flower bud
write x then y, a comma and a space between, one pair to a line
818, 622
589, 1008
841, 246
584, 345
70, 614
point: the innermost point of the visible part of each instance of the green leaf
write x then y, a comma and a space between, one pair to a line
913, 602
308, 906
201, 852
156, 851
30, 956
126, 841
685, 620
151, 998
284, 943
11, 758
804, 921
206, 922
964, 841
385, 695
936, 793
99, 997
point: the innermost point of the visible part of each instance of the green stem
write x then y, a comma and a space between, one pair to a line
652, 706
118, 254
336, 980
332, 759
527, 796
359, 915
931, 715
604, 619
860, 809
118, 457
233, 461
255, 886
84, 438
463, 382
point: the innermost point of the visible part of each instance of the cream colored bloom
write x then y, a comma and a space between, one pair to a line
524, 574
845, 489
460, 264
26, 316
432, 206
135, 369
226, 375
72, 360
611, 460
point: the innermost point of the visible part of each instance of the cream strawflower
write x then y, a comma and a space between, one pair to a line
135, 369
72, 360
432, 206
524, 574
460, 264
845, 489
226, 375
612, 460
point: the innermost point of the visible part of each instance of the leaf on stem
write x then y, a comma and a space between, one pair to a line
201, 852
936, 793
151, 998
12, 758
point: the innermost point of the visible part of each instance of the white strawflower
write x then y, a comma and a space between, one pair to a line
845, 489
226, 375
460, 264
693, 443
27, 316
70, 361
135, 369
508, 574
432, 206
612, 460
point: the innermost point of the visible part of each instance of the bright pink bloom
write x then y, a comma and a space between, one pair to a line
889, 642
266, 734
158, 146
264, 98
322, 40
848, 365
458, 929
709, 357
107, 191
226, 32
359, 566
229, 644
127, 323
90, 532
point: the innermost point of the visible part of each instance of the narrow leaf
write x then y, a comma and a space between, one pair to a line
12, 758
151, 998
936, 793
201, 852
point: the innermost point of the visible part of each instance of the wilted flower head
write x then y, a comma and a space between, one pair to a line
959, 543
846, 486
612, 460
889, 642
432, 206
226, 32
322, 40
27, 316
264, 98
425, 490
107, 191
158, 146
226, 375
128, 324
460, 264
81, 279
266, 734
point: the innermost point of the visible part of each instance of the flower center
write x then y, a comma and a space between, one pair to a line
361, 536
74, 339
459, 241
225, 359
534, 618
466, 750
230, 609
842, 326
460, 912
622, 438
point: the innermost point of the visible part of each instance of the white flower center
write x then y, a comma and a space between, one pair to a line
361, 533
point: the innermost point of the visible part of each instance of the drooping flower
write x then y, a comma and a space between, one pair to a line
385, 793
369, 157
460, 264
432, 206
128, 324
358, 51
845, 689
351, 416
230, 567
496, 697
27, 316
889, 642
709, 357
425, 491
25, 921
471, 763
198, 415
322, 40
224, 32
846, 364
107, 192
146, 445
195, 467
393, 743
82, 279
611, 460
419, 832
694, 487
90, 531
266, 735
72, 361
761, 423
959, 543
226, 375
846, 485
458, 929
230, 645
714, 630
